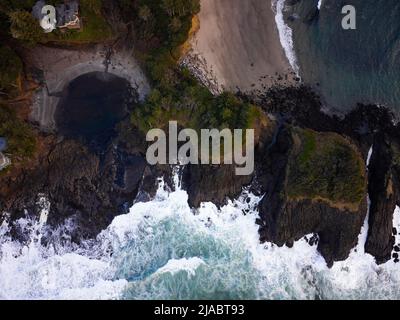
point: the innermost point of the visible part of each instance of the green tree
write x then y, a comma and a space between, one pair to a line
95, 5
25, 27
145, 13
175, 24
181, 7
8, 6
10, 70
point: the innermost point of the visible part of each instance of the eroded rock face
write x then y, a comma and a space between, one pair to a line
366, 126
212, 183
287, 217
90, 188
383, 191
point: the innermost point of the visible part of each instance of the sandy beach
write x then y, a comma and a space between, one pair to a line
238, 42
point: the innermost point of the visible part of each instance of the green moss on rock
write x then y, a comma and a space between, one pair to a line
327, 167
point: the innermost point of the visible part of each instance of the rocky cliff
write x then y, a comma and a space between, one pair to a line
310, 167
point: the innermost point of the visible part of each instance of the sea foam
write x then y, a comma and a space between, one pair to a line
285, 34
163, 249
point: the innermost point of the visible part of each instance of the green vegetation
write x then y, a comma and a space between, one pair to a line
10, 71
25, 27
20, 137
161, 27
14, 5
193, 106
325, 166
95, 27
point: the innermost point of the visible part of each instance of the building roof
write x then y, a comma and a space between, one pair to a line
4, 161
37, 9
67, 13
3, 144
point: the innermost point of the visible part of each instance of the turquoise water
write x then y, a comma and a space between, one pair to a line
349, 66
164, 250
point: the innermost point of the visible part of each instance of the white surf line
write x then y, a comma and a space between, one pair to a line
285, 34
362, 238
319, 4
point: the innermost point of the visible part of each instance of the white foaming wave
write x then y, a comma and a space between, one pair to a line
285, 35
234, 257
370, 151
319, 4
33, 271
174, 266
360, 276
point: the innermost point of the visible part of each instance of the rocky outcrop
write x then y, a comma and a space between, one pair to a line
84, 186
310, 167
384, 193
286, 216
212, 183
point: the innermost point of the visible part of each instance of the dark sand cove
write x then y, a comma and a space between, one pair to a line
61, 66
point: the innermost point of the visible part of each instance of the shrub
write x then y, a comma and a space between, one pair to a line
10, 70
25, 27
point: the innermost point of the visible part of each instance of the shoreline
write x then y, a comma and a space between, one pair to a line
239, 47
285, 35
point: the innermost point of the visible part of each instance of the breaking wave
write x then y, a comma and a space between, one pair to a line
285, 34
164, 250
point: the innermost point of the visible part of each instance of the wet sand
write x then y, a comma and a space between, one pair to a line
239, 42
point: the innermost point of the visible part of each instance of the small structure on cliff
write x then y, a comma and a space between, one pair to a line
67, 14
3, 144
4, 161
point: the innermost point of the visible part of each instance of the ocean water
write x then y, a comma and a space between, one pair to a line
344, 66
164, 250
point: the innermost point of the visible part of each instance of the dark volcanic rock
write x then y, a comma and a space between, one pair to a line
383, 198
90, 188
366, 125
212, 183
284, 221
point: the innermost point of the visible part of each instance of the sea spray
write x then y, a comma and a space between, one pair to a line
163, 249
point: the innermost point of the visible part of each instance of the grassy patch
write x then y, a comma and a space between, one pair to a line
326, 166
